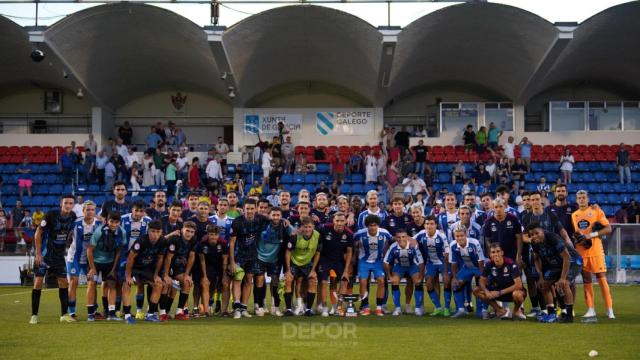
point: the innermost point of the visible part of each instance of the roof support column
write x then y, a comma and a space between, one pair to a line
226, 73
102, 125
389, 40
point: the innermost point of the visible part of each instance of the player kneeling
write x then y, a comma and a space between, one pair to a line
178, 263
143, 267
401, 261
559, 266
213, 257
500, 281
103, 254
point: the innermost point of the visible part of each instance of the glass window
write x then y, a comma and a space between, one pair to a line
456, 116
631, 116
567, 116
605, 116
499, 113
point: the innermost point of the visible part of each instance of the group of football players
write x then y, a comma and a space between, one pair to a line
214, 255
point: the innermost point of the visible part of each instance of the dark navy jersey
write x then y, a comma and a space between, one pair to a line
181, 250
564, 215
324, 216
501, 277
393, 223
548, 220
168, 227
201, 227
550, 250
56, 232
186, 214
156, 214
335, 244
213, 253
286, 214
503, 232
111, 205
413, 229
148, 252
246, 233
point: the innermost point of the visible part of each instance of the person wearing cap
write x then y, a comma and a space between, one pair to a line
213, 255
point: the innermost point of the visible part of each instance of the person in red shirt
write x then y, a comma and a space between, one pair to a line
193, 179
337, 167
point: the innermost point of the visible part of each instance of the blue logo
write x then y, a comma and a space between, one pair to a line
252, 124
325, 122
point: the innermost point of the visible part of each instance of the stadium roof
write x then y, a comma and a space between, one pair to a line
119, 52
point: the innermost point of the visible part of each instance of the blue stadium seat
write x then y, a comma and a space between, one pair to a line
298, 178
444, 178
357, 178
549, 166
357, 189
614, 198
594, 188
231, 168
537, 166
619, 188
345, 189
600, 198
286, 179
631, 188
634, 262
322, 168
55, 189
368, 187
295, 189
600, 177
530, 186
313, 179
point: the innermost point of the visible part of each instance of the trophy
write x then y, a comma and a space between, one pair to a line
351, 310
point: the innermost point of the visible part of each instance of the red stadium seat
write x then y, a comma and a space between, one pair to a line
459, 149
365, 148
299, 150
559, 149
449, 149
548, 149
592, 149
437, 149
581, 148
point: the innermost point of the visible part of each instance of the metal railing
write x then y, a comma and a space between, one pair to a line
622, 248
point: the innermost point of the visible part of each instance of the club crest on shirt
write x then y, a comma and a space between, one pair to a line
494, 272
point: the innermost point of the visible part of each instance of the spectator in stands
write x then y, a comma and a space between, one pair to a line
510, 150
420, 131
621, 215
481, 176
469, 139
153, 140
89, 165
322, 188
125, 132
420, 157
371, 167
494, 136
121, 149
25, 179
130, 159
382, 167
25, 228
77, 207
337, 167
266, 165
274, 177
542, 185
135, 178
566, 165
503, 167
214, 171
633, 212
158, 161
385, 138
67, 164
110, 174
3, 228
222, 149
458, 172
193, 174
256, 189
282, 131
518, 172
109, 148
170, 176
413, 185
481, 140
402, 139
182, 165
301, 164
492, 169
334, 190
355, 166
159, 129
276, 152
17, 214
623, 162
273, 198
149, 170
525, 152
170, 134
288, 155
91, 144
392, 175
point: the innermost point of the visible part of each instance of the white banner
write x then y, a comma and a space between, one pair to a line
268, 123
345, 122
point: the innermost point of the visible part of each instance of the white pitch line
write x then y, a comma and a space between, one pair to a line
24, 292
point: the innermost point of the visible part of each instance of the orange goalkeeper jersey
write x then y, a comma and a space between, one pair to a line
583, 222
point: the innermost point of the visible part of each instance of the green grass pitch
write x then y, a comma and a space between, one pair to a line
404, 337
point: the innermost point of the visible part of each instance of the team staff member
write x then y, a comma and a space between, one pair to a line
590, 224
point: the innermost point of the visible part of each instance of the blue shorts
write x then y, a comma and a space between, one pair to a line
466, 274
435, 270
405, 270
364, 268
76, 269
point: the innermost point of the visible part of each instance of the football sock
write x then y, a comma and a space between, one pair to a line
163, 302
604, 291
105, 303
127, 309
288, 297
447, 298
419, 295
435, 299
182, 300
139, 301
149, 292
467, 293
379, 302
118, 303
91, 309
112, 310
258, 295
588, 295
459, 297
72, 306
395, 291
63, 294
276, 296
153, 308
534, 301
310, 298
169, 304
569, 311
35, 301
385, 296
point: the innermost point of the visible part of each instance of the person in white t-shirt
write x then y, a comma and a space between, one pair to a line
491, 169
509, 150
266, 164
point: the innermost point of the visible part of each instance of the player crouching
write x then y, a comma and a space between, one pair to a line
401, 261
178, 263
500, 281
